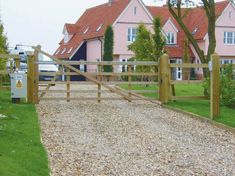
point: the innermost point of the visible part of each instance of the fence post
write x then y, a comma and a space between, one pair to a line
215, 86
68, 84
36, 77
30, 79
129, 81
99, 85
17, 63
164, 82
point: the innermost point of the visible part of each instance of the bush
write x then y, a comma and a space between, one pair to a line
227, 87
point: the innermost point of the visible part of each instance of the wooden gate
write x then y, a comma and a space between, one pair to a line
128, 77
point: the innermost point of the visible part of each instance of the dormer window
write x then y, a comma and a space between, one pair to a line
57, 52
87, 29
63, 51
100, 26
170, 38
66, 38
194, 31
69, 51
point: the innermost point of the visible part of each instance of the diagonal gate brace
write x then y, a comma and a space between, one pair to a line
84, 74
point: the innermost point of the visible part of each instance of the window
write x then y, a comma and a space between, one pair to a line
66, 38
170, 38
87, 29
135, 10
198, 62
226, 61
100, 26
176, 73
229, 38
57, 51
230, 15
63, 51
69, 51
132, 33
124, 67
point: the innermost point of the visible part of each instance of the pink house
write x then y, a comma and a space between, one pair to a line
84, 39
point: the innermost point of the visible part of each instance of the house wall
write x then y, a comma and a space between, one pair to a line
224, 23
126, 20
79, 55
93, 53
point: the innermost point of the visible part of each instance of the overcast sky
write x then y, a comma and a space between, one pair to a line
33, 22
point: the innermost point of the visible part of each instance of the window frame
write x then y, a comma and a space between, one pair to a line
229, 40
172, 36
131, 35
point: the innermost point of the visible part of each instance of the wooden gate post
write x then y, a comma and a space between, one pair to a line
36, 76
68, 84
164, 81
30, 79
99, 85
129, 81
215, 86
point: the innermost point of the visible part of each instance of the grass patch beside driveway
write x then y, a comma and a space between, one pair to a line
21, 151
200, 107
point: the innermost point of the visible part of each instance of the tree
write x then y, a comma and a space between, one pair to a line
158, 38
3, 46
175, 8
186, 59
108, 48
179, 15
147, 46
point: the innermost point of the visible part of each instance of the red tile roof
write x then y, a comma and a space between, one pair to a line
106, 14
196, 19
71, 28
177, 50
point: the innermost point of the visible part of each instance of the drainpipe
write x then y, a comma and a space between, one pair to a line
101, 42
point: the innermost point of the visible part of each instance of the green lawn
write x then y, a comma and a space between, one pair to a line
21, 152
200, 107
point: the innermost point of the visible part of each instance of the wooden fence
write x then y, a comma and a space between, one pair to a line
38, 89
162, 79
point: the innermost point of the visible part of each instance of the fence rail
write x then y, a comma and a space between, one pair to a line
130, 78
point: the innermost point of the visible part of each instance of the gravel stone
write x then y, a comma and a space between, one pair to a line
137, 138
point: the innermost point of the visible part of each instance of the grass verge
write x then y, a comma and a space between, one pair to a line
200, 107
21, 151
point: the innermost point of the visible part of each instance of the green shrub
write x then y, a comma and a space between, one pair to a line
227, 87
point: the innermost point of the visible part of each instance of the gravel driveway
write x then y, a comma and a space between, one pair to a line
138, 138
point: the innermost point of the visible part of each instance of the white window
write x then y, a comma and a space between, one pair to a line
100, 26
176, 72
66, 38
69, 51
227, 61
63, 51
57, 52
132, 33
87, 29
229, 38
135, 10
82, 66
170, 38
